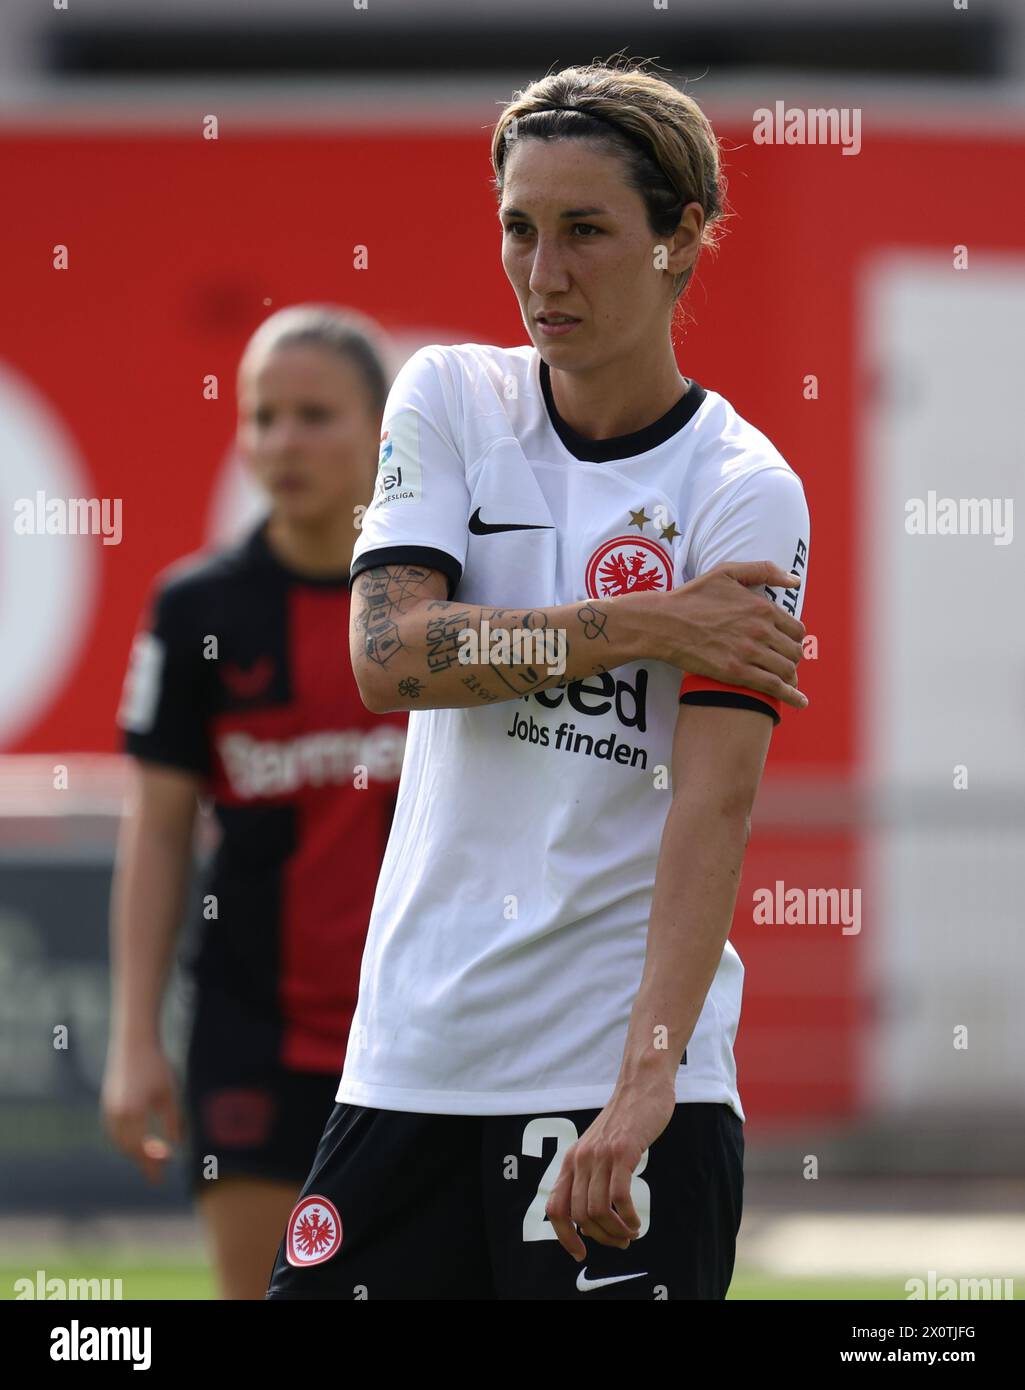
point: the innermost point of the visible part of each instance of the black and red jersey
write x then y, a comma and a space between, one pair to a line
241, 674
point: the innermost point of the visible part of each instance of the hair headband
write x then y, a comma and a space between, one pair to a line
614, 126
594, 116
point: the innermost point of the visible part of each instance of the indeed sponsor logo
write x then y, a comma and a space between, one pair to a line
597, 695
267, 767
594, 697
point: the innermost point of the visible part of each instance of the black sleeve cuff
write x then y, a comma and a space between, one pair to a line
730, 699
424, 555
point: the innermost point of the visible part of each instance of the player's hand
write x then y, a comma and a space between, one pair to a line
139, 1083
592, 1191
720, 625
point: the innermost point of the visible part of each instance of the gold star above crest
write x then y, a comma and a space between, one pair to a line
669, 533
639, 520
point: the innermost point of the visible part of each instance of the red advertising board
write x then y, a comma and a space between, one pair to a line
177, 247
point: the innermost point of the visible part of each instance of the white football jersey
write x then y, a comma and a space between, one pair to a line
508, 933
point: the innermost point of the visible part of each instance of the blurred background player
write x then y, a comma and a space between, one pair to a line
240, 689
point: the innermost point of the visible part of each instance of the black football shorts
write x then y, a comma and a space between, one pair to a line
409, 1206
246, 1115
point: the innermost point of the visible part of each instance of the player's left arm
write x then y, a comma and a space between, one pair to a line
720, 744
718, 757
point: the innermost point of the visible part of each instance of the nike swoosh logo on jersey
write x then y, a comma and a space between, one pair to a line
585, 1285
485, 528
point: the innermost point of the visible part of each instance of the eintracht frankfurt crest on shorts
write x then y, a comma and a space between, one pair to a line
314, 1232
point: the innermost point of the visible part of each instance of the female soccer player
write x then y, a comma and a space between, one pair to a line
238, 690
541, 1059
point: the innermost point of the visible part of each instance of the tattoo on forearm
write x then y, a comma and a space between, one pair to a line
391, 587
526, 679
479, 690
442, 636
384, 594
593, 620
532, 618
522, 682
382, 641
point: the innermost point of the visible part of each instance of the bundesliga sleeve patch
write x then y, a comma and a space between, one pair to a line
702, 690
399, 472
141, 691
314, 1232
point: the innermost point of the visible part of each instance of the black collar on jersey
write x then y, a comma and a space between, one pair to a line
621, 446
260, 551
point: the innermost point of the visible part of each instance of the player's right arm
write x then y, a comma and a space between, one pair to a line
151, 874
405, 637
163, 715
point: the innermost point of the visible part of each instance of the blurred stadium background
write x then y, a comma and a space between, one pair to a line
341, 126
